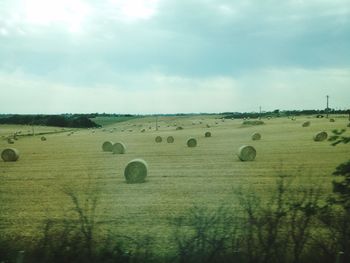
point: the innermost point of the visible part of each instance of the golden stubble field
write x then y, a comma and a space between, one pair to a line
178, 177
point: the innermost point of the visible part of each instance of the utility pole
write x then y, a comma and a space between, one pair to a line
259, 112
327, 108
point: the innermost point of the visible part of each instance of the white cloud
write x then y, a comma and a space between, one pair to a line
271, 89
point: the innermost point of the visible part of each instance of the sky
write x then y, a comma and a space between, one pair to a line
173, 56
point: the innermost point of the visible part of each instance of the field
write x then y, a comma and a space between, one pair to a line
179, 177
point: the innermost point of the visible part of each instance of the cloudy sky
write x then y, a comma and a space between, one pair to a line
167, 56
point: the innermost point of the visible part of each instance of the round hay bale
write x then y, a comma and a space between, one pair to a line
136, 171
208, 126
331, 120
306, 124
207, 134
158, 139
10, 141
10, 155
246, 153
320, 136
143, 130
256, 136
191, 142
118, 148
107, 146
170, 139
43, 138
179, 128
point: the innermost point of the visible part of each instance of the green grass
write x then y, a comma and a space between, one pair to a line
105, 121
179, 177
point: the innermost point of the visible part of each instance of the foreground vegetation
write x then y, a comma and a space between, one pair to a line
66, 201
295, 224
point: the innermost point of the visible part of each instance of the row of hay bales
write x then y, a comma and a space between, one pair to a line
319, 136
308, 123
115, 148
245, 152
12, 140
135, 170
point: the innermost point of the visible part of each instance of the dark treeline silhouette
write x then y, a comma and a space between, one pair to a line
73, 121
284, 113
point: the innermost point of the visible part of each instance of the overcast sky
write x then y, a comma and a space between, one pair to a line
168, 56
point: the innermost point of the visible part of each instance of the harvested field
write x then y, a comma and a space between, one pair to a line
178, 177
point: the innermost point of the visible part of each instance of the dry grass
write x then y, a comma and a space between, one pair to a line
178, 177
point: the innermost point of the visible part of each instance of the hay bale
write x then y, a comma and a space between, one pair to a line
10, 141
10, 155
158, 139
207, 134
136, 171
143, 130
306, 124
247, 122
256, 136
118, 148
246, 153
170, 139
320, 136
331, 120
43, 138
191, 142
179, 128
107, 146
208, 126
